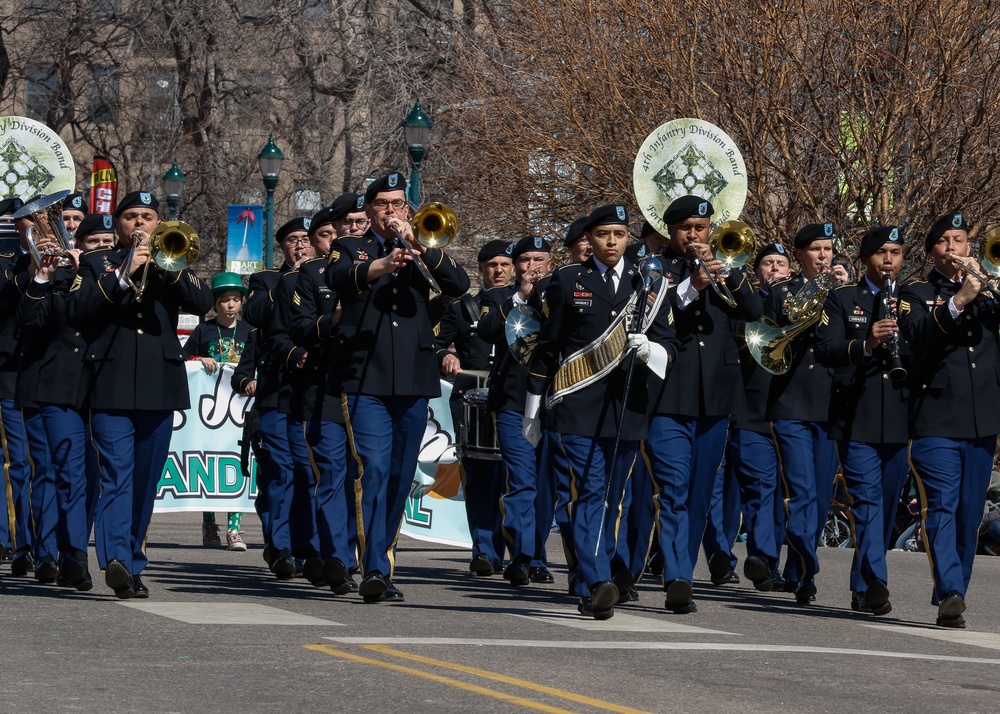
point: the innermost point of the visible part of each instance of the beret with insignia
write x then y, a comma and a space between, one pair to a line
74, 202
9, 205
530, 244
135, 199
390, 182
611, 214
769, 249
95, 223
345, 203
293, 226
575, 231
948, 222
687, 207
813, 231
321, 218
494, 248
875, 238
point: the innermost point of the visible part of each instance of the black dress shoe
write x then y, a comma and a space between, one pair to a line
392, 594
789, 586
372, 587
950, 610
23, 563
624, 581
633, 594
655, 564
758, 573
334, 574
46, 570
481, 566
312, 570
497, 566
858, 603
517, 572
877, 598
73, 571
777, 582
283, 565
117, 577
805, 593
268, 554
571, 581
719, 569
603, 597
141, 591
679, 595
540, 575
352, 584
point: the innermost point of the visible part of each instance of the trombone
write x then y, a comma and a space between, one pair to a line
174, 246
435, 226
989, 259
732, 243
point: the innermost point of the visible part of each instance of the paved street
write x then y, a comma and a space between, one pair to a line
221, 634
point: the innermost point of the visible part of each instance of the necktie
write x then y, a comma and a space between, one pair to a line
609, 278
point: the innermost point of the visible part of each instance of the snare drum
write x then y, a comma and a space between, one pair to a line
477, 433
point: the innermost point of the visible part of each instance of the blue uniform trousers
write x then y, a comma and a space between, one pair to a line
280, 472
302, 509
872, 472
808, 461
564, 497
684, 454
16, 533
386, 433
590, 472
481, 479
723, 524
132, 447
44, 502
328, 443
952, 477
641, 516
262, 470
754, 462
545, 504
67, 435
93, 473
520, 482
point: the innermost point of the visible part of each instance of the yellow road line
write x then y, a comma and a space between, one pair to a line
331, 650
552, 691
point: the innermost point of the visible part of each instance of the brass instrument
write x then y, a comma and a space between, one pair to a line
769, 344
174, 246
434, 226
732, 243
45, 214
989, 259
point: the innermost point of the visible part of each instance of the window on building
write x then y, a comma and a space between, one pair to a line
39, 92
102, 95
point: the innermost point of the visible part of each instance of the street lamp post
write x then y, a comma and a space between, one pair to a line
270, 158
173, 186
416, 129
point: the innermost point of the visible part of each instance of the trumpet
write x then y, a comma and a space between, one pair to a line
435, 226
174, 246
732, 243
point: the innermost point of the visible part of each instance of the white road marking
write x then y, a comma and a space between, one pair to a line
682, 646
621, 622
206, 613
989, 640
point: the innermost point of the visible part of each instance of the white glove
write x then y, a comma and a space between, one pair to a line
640, 343
531, 425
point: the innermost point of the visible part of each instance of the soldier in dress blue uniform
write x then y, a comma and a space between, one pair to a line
74, 210
855, 337
951, 323
650, 243
525, 479
798, 407
689, 411
460, 327
583, 301
385, 367
136, 379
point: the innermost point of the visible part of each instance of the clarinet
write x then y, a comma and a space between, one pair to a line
898, 372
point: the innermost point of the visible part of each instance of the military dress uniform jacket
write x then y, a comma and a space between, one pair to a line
312, 321
51, 351
259, 305
706, 380
258, 310
133, 360
756, 382
508, 378
803, 392
456, 328
578, 310
866, 405
385, 340
13, 282
956, 362
247, 370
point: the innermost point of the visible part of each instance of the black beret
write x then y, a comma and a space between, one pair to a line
531, 244
647, 229
390, 182
322, 217
345, 203
575, 231
877, 237
813, 231
137, 198
95, 223
611, 214
687, 207
947, 222
74, 202
296, 224
494, 248
9, 205
769, 249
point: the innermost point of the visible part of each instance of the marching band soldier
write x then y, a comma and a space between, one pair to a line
583, 302
952, 327
526, 481
798, 408
350, 218
576, 241
74, 210
868, 408
461, 327
136, 379
650, 243
689, 411
385, 367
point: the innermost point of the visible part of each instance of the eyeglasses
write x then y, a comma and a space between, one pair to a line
301, 239
382, 203
349, 222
